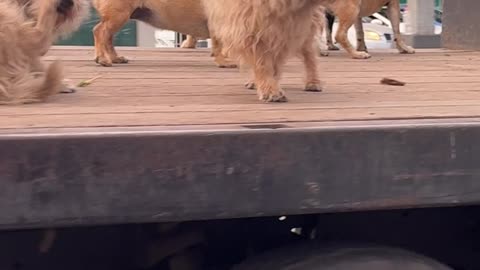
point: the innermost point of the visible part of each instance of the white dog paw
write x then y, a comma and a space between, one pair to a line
361, 55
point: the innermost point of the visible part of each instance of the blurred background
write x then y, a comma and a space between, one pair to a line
377, 28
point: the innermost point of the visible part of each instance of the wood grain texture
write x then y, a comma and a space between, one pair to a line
183, 87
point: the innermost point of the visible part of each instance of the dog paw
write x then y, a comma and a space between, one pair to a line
324, 53
362, 49
406, 50
361, 55
120, 60
313, 87
187, 44
68, 87
272, 96
224, 63
332, 47
250, 85
103, 61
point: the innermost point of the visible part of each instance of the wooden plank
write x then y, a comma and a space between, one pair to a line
183, 87
236, 117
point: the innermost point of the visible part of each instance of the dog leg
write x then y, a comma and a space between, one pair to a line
224, 62
321, 47
46, 22
220, 59
115, 58
37, 40
361, 46
250, 84
38, 66
267, 71
312, 81
330, 21
189, 43
346, 20
394, 16
103, 33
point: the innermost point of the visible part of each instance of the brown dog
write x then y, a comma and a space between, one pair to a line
27, 30
263, 34
184, 16
350, 12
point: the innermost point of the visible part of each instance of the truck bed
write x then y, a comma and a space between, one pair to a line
176, 88
170, 137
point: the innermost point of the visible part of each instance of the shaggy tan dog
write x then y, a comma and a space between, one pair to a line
27, 30
350, 12
263, 34
70, 14
183, 16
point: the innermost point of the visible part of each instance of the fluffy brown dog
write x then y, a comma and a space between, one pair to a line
23, 40
350, 12
184, 16
263, 34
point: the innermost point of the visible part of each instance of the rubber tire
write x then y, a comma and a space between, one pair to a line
311, 257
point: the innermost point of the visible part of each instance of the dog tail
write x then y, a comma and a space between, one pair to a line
33, 87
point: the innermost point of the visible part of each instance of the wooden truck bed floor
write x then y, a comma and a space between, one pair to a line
170, 136
175, 88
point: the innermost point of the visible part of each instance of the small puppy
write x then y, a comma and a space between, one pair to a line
263, 34
24, 40
350, 12
183, 16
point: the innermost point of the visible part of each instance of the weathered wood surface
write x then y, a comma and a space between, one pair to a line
171, 137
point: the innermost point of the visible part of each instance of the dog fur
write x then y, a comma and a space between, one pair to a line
24, 40
220, 57
259, 34
350, 12
183, 16
76, 13
263, 34
189, 43
328, 30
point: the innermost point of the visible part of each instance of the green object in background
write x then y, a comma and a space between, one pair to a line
127, 36
438, 3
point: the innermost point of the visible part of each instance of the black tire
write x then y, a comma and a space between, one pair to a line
310, 257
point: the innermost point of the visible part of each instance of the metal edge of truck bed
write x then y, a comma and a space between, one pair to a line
130, 175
